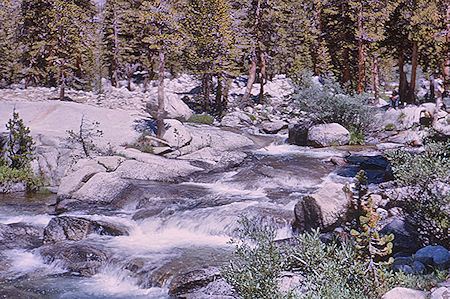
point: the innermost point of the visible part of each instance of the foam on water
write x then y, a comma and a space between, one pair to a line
39, 220
23, 262
115, 283
229, 189
289, 149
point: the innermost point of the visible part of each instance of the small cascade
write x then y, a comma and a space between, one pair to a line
181, 226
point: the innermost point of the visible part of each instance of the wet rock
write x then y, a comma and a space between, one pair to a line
436, 256
76, 229
298, 133
193, 280
217, 289
307, 215
327, 134
340, 161
79, 258
406, 237
147, 213
13, 292
273, 127
20, 235
404, 293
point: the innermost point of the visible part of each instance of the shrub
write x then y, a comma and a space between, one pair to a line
390, 127
201, 119
85, 136
328, 103
427, 199
431, 165
142, 144
257, 262
16, 153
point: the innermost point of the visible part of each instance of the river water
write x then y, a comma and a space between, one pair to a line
198, 216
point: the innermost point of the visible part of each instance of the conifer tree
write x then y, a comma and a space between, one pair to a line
210, 43
9, 46
162, 18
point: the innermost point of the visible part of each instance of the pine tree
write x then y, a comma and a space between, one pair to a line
9, 46
209, 43
162, 20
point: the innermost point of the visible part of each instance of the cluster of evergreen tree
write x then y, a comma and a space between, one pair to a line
76, 43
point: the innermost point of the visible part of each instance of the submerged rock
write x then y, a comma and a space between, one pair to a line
20, 235
193, 280
76, 229
80, 258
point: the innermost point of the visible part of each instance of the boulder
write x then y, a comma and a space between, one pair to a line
290, 282
407, 117
175, 133
217, 289
441, 123
103, 187
73, 181
270, 127
436, 256
404, 293
406, 237
236, 119
408, 137
190, 281
20, 235
155, 168
76, 229
307, 215
328, 134
331, 200
174, 108
80, 258
440, 293
298, 133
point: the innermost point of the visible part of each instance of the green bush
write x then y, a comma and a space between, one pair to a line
390, 127
333, 270
257, 262
427, 199
430, 166
16, 154
329, 103
201, 119
142, 144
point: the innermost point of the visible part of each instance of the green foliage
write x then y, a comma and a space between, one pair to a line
431, 165
19, 145
331, 270
86, 135
328, 103
201, 119
16, 153
390, 127
257, 262
356, 138
10, 176
143, 144
427, 200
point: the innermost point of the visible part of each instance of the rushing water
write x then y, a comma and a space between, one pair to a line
197, 220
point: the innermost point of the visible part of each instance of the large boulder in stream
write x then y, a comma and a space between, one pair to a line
307, 215
80, 258
298, 133
76, 229
20, 235
328, 134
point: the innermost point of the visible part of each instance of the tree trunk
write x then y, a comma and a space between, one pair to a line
162, 60
375, 80
150, 71
446, 62
226, 91
207, 89
403, 84
219, 93
361, 56
414, 63
250, 81
346, 76
262, 62
62, 83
